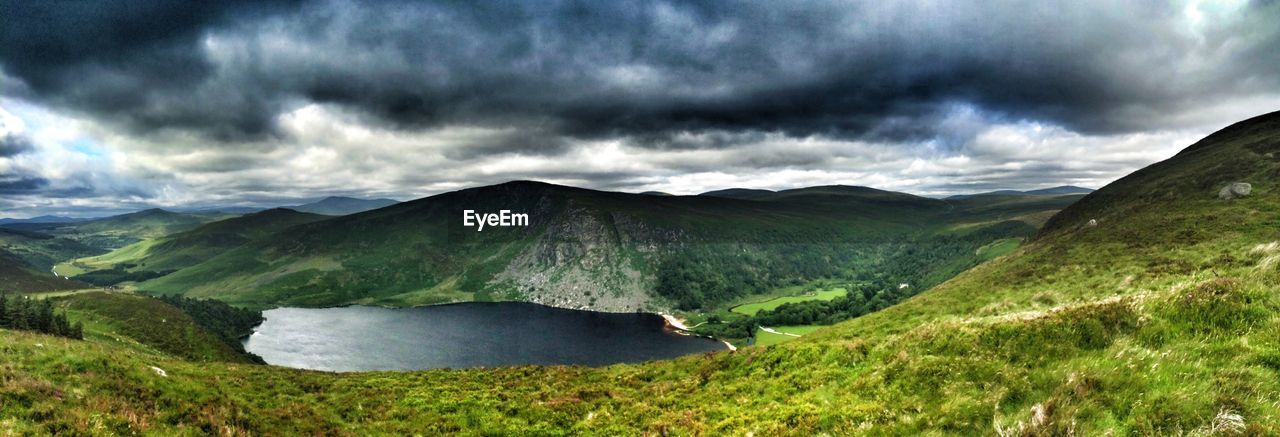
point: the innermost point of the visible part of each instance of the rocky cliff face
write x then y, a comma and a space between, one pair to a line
588, 260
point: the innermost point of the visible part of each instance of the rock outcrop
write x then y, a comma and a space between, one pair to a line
1235, 190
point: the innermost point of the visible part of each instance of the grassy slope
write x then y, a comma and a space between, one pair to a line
184, 249
1160, 320
751, 309
147, 321
765, 338
998, 248
16, 275
118, 231
42, 251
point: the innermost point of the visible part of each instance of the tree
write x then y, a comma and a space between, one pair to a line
22, 313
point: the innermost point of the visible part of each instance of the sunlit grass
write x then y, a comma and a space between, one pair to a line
752, 308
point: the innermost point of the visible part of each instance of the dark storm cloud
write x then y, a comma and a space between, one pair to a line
21, 184
647, 71
134, 62
14, 144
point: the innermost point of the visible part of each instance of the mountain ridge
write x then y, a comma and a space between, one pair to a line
583, 248
339, 205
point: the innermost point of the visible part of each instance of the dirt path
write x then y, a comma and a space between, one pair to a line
771, 331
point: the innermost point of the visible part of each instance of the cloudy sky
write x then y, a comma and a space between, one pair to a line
114, 106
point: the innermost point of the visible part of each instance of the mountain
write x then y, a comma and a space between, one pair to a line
222, 210
120, 230
1053, 191
43, 219
175, 251
1147, 307
594, 249
342, 205
17, 275
42, 251
737, 193
1060, 190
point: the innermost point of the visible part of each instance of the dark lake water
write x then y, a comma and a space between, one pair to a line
462, 335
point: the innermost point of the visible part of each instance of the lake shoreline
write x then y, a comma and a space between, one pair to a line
678, 325
482, 334
669, 320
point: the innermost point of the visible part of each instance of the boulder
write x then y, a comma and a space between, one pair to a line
1235, 190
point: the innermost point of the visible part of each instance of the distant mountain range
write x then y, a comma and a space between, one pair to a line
333, 205
762, 194
584, 248
336, 205
1054, 191
43, 219
594, 249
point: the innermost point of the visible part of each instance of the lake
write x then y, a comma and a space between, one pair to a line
357, 338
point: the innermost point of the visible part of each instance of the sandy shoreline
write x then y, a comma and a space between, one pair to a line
679, 325
674, 322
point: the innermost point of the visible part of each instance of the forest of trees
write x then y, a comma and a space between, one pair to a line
704, 275
920, 265
114, 276
229, 323
21, 312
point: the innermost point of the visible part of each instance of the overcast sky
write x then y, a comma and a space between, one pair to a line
114, 106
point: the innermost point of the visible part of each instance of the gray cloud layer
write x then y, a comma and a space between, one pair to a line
545, 78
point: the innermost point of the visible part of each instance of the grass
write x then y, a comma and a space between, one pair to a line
147, 321
998, 248
70, 268
752, 308
130, 253
444, 292
765, 338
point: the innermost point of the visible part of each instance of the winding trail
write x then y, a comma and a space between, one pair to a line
772, 331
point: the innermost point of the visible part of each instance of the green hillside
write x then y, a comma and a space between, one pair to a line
42, 251
183, 249
602, 250
16, 275
149, 322
114, 232
1160, 318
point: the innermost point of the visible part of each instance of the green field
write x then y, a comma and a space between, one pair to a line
69, 269
998, 248
766, 338
752, 308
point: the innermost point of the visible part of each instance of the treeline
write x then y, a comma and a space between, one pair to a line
228, 323
708, 274
21, 312
103, 278
910, 269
